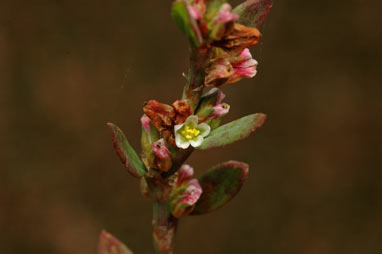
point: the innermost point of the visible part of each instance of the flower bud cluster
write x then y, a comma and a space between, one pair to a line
213, 24
185, 193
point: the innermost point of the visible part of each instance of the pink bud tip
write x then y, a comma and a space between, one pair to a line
145, 121
226, 15
160, 150
220, 97
194, 13
246, 67
221, 110
246, 53
185, 173
247, 73
192, 193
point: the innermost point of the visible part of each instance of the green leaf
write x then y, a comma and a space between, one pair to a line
126, 153
220, 185
185, 23
253, 12
233, 131
108, 244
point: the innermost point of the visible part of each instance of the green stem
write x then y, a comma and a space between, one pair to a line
199, 58
164, 227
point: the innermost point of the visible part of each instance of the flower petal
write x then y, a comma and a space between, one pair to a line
181, 142
204, 129
192, 121
178, 127
197, 141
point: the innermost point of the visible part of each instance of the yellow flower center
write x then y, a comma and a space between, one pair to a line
190, 133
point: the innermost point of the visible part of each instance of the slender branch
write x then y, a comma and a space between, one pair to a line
164, 228
199, 58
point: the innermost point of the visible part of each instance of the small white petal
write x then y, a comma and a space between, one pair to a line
205, 129
192, 120
197, 141
178, 127
181, 142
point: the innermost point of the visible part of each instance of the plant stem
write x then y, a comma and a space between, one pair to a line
164, 227
199, 58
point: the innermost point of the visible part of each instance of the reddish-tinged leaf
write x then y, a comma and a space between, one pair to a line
126, 153
220, 185
253, 12
108, 244
233, 131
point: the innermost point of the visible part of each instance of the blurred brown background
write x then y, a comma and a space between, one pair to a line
68, 67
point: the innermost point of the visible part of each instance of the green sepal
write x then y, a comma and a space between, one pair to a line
207, 100
206, 104
108, 244
220, 185
186, 23
213, 6
177, 209
126, 153
253, 12
233, 131
147, 140
214, 123
204, 113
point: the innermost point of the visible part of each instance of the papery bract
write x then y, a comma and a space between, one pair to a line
183, 110
160, 114
241, 37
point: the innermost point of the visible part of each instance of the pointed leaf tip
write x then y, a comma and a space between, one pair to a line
253, 12
126, 153
108, 244
233, 131
220, 185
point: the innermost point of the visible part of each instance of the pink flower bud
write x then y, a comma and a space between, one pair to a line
184, 197
162, 155
226, 15
145, 121
185, 173
220, 97
192, 193
220, 110
244, 66
194, 13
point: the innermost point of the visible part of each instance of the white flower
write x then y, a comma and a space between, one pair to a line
190, 132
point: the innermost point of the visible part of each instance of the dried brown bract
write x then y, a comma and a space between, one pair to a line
241, 37
161, 115
183, 110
